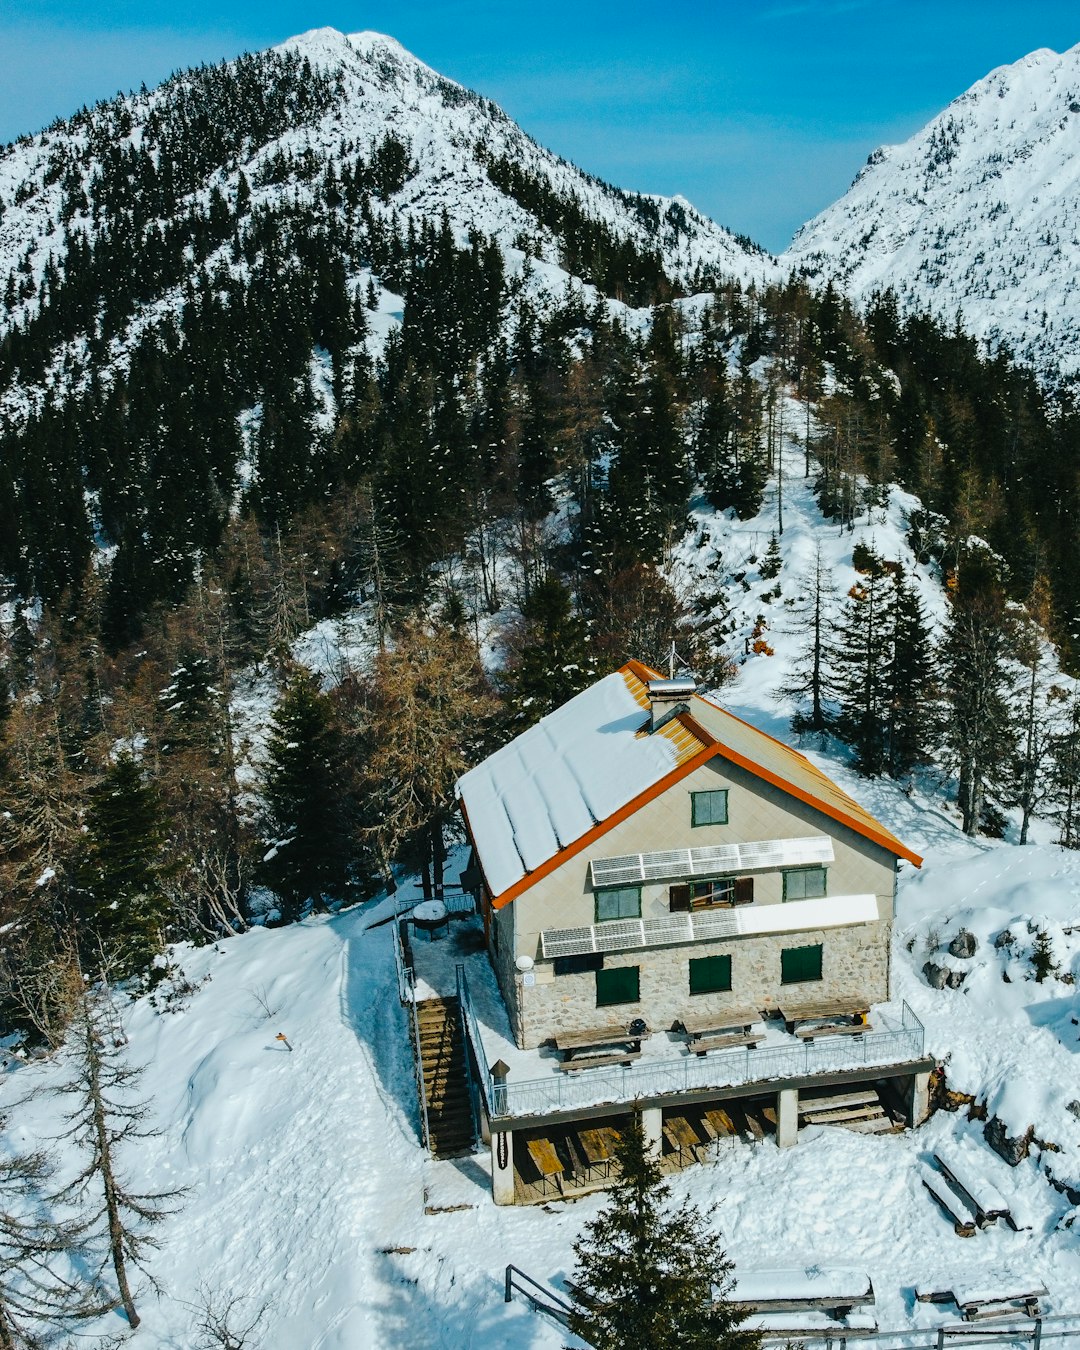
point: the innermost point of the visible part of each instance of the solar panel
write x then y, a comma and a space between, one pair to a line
626, 934
672, 864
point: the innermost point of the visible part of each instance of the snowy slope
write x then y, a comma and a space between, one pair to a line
978, 212
311, 1196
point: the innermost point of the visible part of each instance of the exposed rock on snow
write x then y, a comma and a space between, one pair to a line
1013, 1148
963, 944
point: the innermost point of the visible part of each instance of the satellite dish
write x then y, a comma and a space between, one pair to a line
524, 963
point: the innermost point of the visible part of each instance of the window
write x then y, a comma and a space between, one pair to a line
618, 902
710, 974
800, 965
805, 884
578, 965
618, 985
708, 808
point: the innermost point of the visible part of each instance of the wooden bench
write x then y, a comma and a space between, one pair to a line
712, 1024
981, 1195
978, 1303
835, 1292
812, 1033
577, 1047
853, 1010
955, 1206
701, 1045
598, 1061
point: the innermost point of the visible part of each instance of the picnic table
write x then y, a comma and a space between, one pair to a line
547, 1162
814, 1289
598, 1148
579, 1048
999, 1295
852, 1011
721, 1030
965, 1177
682, 1136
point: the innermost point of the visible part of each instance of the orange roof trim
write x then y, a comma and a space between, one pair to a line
695, 745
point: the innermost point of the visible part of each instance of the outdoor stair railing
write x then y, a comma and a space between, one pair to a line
542, 1298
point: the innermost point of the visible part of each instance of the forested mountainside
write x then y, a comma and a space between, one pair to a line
977, 215
316, 340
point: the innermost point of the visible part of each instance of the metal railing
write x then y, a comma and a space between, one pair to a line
539, 1296
1033, 1335
407, 994
475, 1041
693, 1073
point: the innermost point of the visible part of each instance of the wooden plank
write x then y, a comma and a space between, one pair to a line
832, 1029
577, 1040
701, 1045
598, 1061
964, 1222
837, 1100
705, 1024
547, 1161
754, 1126
844, 1113
721, 1122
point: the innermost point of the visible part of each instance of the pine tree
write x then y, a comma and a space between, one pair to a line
977, 686
810, 682
862, 656
551, 663
649, 1275
307, 826
910, 690
107, 1119
122, 902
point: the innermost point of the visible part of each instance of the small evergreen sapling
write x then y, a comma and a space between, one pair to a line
1042, 957
651, 1276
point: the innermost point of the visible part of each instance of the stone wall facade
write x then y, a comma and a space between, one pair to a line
855, 960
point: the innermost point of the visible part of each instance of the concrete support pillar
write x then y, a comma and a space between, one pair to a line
502, 1167
917, 1099
787, 1117
652, 1126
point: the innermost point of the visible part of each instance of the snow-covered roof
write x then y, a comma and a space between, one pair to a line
552, 784
566, 780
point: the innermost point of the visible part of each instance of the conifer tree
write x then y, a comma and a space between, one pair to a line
121, 898
862, 657
910, 689
107, 1119
307, 826
551, 663
40, 1258
810, 682
977, 685
650, 1275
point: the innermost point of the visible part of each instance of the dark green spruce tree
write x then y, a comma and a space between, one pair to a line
649, 1275
307, 819
552, 663
121, 896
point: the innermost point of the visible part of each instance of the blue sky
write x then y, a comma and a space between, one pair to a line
761, 112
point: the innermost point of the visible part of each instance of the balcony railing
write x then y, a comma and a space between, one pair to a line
674, 1076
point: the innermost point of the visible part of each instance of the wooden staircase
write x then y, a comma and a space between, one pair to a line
451, 1129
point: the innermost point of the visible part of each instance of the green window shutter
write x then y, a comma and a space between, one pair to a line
618, 902
708, 808
710, 974
800, 965
620, 984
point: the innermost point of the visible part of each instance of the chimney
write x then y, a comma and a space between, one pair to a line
667, 697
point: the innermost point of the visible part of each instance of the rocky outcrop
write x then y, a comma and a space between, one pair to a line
963, 944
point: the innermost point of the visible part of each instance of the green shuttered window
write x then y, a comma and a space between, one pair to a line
710, 974
800, 965
617, 985
708, 808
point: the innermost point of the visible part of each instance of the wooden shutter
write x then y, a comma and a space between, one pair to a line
744, 890
679, 899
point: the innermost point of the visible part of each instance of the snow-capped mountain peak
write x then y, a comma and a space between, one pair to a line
979, 212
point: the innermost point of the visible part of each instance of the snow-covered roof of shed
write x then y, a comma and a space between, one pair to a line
560, 778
